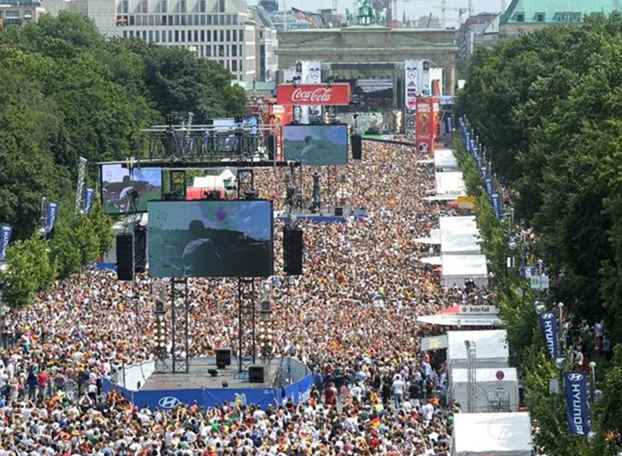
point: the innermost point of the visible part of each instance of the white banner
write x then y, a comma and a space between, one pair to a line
311, 74
411, 83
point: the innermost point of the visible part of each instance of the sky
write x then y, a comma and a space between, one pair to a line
414, 8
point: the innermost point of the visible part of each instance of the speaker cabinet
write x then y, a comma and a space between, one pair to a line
140, 248
255, 374
339, 212
357, 146
293, 246
125, 257
223, 358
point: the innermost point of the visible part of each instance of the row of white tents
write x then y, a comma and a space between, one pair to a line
487, 384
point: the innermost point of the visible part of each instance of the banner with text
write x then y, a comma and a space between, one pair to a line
313, 94
5, 238
550, 330
577, 403
411, 83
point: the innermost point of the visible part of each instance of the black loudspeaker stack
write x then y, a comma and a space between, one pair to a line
223, 358
255, 374
140, 248
270, 146
293, 246
357, 146
125, 256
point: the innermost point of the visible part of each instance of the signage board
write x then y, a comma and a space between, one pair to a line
314, 94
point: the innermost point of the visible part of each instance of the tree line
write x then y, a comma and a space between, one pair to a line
547, 106
67, 92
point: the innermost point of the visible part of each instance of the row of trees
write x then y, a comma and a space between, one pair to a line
547, 105
68, 92
33, 264
527, 348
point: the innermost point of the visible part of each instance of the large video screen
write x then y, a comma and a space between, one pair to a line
210, 238
316, 145
368, 95
122, 190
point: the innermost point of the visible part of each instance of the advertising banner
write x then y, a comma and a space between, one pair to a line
311, 74
488, 183
496, 204
50, 218
427, 123
577, 403
88, 200
550, 330
5, 238
80, 184
314, 94
411, 83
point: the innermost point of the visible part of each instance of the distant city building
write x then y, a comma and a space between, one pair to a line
471, 32
240, 38
522, 16
15, 12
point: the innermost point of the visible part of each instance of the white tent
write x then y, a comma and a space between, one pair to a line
491, 348
457, 269
465, 320
434, 260
492, 434
450, 183
459, 235
444, 159
497, 389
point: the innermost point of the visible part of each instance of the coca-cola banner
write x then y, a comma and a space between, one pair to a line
314, 94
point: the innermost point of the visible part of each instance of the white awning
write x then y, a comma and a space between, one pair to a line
445, 159
464, 320
434, 261
450, 183
499, 434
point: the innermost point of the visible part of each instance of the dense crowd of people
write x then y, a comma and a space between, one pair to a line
376, 392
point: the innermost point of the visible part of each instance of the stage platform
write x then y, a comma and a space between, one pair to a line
145, 386
325, 215
199, 376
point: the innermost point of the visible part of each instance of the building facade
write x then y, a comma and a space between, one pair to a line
14, 12
224, 31
471, 32
523, 16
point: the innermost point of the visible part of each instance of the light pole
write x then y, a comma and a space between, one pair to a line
562, 332
593, 375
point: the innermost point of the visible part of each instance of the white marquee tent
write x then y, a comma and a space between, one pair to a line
492, 434
445, 160
457, 269
450, 183
491, 348
459, 235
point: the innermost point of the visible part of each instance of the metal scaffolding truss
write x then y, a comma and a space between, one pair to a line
179, 326
247, 304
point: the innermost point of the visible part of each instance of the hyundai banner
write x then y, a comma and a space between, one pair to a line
496, 204
50, 218
5, 237
550, 330
88, 200
577, 403
488, 183
338, 94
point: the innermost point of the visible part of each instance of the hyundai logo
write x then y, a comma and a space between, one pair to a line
168, 402
575, 377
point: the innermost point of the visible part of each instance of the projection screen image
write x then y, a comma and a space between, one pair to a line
210, 238
316, 145
121, 189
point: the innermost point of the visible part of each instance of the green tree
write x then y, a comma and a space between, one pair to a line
28, 270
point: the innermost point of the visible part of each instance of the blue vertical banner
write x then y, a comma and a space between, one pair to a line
550, 330
496, 204
88, 200
5, 238
488, 183
577, 403
50, 218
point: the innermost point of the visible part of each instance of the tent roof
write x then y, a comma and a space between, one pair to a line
490, 344
463, 320
464, 266
485, 375
505, 434
459, 235
450, 183
445, 158
434, 260
433, 239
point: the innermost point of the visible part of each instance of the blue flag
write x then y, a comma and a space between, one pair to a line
577, 403
88, 200
550, 330
50, 218
5, 238
496, 204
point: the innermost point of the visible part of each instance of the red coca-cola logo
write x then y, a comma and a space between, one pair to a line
321, 95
